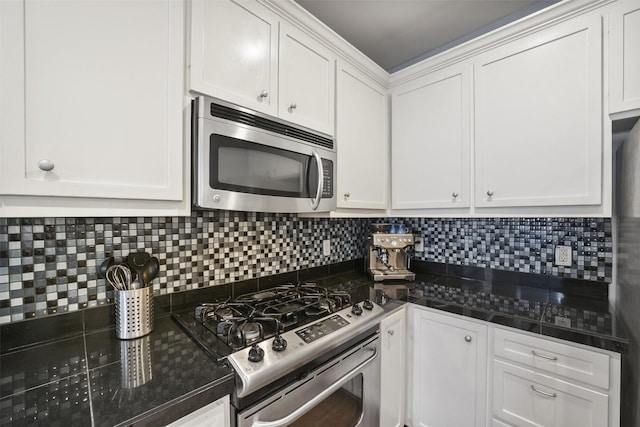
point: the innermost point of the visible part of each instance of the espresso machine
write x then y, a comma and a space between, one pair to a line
388, 255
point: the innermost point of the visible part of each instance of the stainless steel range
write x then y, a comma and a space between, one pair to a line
303, 355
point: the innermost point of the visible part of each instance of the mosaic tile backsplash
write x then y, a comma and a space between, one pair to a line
48, 265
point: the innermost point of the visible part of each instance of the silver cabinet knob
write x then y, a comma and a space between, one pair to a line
390, 332
454, 194
46, 165
489, 193
467, 338
293, 106
347, 195
264, 94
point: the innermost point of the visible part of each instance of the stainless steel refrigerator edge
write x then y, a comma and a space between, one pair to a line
627, 219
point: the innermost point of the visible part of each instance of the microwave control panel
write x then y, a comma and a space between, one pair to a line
327, 179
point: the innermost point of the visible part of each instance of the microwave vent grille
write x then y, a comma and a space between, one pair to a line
262, 123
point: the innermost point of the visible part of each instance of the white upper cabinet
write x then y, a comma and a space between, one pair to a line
243, 53
306, 81
538, 118
624, 60
92, 97
234, 53
362, 138
431, 141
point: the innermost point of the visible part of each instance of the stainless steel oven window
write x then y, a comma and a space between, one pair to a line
344, 408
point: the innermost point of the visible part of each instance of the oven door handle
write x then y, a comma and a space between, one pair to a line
320, 397
316, 201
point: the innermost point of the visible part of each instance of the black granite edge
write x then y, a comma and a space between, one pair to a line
184, 405
569, 286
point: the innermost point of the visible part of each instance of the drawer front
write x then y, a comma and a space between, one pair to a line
575, 363
524, 397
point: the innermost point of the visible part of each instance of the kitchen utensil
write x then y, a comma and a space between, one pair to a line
150, 270
119, 275
102, 271
136, 261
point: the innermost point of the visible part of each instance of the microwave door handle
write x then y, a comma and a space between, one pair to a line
316, 201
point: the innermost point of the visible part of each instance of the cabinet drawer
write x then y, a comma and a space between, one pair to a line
524, 397
575, 363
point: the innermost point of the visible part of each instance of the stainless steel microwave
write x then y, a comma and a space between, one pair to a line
245, 161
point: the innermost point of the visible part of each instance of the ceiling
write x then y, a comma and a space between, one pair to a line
398, 33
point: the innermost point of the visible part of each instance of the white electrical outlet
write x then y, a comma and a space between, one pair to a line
418, 244
326, 247
563, 255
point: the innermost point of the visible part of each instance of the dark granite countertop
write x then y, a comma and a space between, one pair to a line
86, 376
577, 318
96, 379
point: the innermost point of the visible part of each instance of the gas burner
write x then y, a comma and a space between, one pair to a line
245, 333
224, 313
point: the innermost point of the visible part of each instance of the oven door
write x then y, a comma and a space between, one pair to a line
344, 392
243, 168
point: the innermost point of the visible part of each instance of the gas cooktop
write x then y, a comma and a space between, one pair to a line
223, 327
266, 334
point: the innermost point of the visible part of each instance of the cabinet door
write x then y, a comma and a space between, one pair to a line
234, 53
392, 333
450, 371
306, 81
92, 96
624, 63
538, 118
430, 141
362, 140
524, 397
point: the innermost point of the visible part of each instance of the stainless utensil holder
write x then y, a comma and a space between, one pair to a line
134, 313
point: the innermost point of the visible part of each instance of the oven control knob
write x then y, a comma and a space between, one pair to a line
279, 343
255, 353
356, 309
367, 304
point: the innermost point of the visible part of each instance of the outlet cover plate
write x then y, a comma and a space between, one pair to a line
326, 247
563, 256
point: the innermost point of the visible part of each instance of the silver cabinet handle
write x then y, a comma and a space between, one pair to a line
264, 94
542, 356
46, 165
347, 195
390, 332
489, 193
543, 393
319, 397
467, 338
293, 106
454, 194
316, 201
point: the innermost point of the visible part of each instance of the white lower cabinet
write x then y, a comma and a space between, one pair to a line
392, 384
541, 381
467, 372
216, 414
448, 376
525, 397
